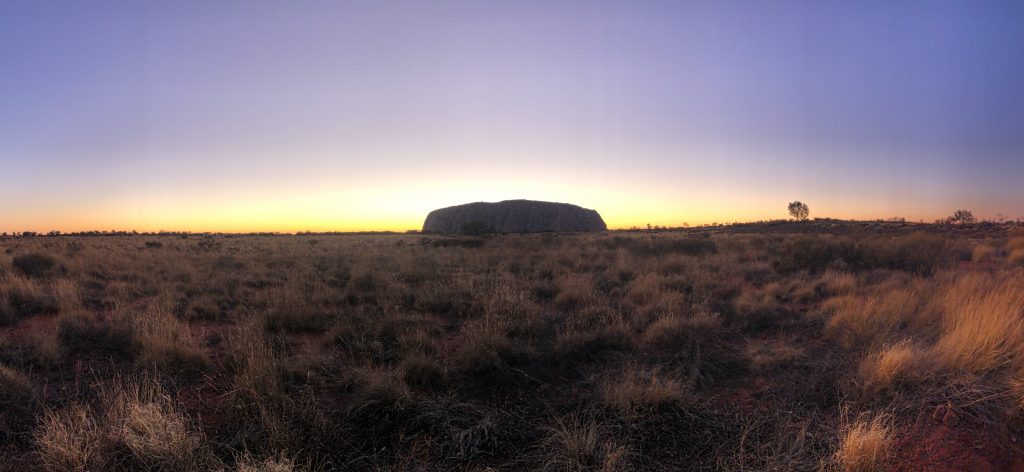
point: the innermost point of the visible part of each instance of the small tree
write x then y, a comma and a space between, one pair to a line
799, 211
963, 217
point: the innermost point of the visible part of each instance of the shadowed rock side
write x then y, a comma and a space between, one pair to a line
513, 216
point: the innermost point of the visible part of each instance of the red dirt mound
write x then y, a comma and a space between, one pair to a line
936, 444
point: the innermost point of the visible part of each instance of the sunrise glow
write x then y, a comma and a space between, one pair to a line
365, 116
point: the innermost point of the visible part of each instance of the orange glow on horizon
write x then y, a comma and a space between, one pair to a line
400, 202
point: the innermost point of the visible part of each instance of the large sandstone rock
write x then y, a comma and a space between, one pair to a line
513, 216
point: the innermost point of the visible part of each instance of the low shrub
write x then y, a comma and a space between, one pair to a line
17, 405
464, 242
815, 254
88, 334
420, 371
664, 245
21, 297
36, 265
919, 253
297, 320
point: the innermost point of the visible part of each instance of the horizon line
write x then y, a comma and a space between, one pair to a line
631, 228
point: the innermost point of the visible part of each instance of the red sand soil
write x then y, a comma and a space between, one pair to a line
37, 324
930, 445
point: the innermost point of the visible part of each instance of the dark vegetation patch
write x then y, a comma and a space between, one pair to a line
37, 265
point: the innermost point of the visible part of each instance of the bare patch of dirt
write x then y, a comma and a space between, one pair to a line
933, 445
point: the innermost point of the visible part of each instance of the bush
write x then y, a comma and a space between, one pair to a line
815, 254
423, 372
919, 253
21, 297
688, 245
36, 265
297, 320
18, 405
470, 243
87, 334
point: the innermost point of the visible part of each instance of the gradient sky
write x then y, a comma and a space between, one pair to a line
351, 115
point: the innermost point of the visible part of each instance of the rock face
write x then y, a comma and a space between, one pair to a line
513, 216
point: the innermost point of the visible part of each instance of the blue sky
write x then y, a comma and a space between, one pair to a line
362, 115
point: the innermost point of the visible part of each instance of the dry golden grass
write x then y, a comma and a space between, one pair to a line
838, 283
247, 463
67, 294
1016, 256
139, 427
577, 444
22, 296
157, 435
638, 389
866, 446
984, 253
864, 322
419, 352
890, 365
676, 330
765, 357
982, 325
575, 291
165, 343
70, 441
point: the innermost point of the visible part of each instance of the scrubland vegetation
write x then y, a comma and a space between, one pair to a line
618, 351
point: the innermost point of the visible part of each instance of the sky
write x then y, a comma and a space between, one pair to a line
365, 115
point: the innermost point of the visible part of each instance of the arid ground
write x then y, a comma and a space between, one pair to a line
798, 346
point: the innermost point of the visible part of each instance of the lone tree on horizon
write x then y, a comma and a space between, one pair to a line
963, 217
799, 211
